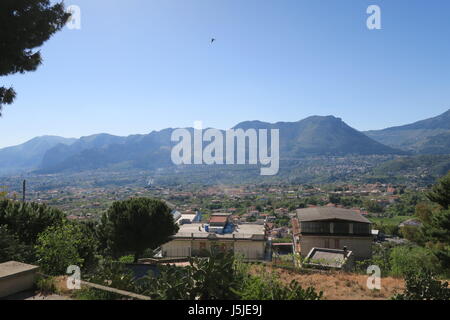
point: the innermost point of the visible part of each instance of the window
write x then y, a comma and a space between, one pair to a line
315, 227
341, 228
361, 228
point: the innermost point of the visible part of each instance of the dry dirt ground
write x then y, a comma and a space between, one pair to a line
339, 285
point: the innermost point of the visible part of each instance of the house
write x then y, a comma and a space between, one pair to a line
197, 239
334, 228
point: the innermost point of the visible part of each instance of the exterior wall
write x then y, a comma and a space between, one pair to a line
17, 283
184, 248
177, 248
253, 250
361, 246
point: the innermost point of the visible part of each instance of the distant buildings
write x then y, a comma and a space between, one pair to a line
333, 228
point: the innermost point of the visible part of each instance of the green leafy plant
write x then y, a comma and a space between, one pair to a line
424, 286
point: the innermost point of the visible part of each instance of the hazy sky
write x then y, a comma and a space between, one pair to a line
142, 65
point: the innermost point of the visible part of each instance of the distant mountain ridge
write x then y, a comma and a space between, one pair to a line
29, 155
318, 135
313, 136
429, 136
309, 137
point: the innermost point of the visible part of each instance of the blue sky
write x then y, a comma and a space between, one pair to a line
142, 65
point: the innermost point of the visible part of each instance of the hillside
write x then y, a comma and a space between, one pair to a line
321, 136
421, 165
29, 155
429, 136
314, 136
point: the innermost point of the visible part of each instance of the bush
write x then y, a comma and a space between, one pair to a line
59, 247
126, 259
424, 286
412, 259
46, 286
11, 249
269, 287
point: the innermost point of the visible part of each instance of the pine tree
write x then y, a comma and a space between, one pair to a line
441, 192
24, 26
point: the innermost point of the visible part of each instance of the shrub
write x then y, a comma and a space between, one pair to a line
46, 286
424, 286
412, 259
58, 247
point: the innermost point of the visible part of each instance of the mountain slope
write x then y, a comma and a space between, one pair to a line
417, 136
61, 152
309, 137
29, 155
318, 135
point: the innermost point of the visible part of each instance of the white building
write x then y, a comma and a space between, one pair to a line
197, 239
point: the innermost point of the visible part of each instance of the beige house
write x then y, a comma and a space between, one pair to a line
197, 239
334, 228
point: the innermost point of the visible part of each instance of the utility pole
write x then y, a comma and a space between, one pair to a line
24, 186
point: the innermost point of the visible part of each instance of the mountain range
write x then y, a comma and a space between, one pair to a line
313, 136
430, 136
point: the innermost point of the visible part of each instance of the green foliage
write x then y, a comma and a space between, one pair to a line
424, 286
381, 257
412, 233
373, 206
11, 249
27, 220
440, 192
137, 224
25, 25
45, 285
111, 274
126, 259
209, 278
269, 287
58, 247
412, 259
221, 276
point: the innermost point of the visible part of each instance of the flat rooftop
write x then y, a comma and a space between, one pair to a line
241, 231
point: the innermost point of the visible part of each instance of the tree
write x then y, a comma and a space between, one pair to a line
61, 246
437, 229
24, 26
27, 220
12, 249
437, 232
411, 259
440, 192
137, 224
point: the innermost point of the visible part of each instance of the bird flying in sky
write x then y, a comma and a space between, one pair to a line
212, 40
